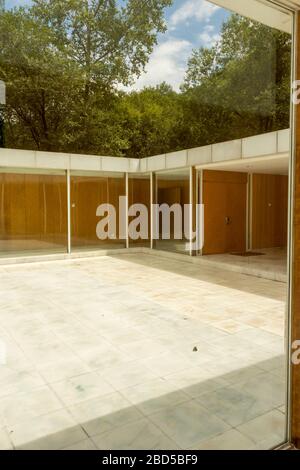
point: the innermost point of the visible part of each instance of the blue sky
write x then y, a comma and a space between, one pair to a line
191, 24
16, 3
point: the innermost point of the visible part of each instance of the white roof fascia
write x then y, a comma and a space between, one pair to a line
273, 143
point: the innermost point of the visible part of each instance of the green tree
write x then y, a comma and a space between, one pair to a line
61, 61
151, 119
241, 86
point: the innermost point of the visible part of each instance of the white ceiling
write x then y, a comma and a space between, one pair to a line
262, 11
276, 165
181, 174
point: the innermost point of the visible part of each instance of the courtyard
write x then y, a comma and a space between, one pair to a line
134, 351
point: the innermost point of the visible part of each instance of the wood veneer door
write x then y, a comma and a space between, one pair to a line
214, 218
269, 211
225, 204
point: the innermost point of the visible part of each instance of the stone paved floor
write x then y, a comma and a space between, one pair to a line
136, 351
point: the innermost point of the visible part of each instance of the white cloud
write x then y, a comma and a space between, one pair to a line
167, 63
208, 36
191, 9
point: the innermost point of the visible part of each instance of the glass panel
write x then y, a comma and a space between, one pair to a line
33, 213
236, 119
139, 193
197, 346
173, 191
87, 194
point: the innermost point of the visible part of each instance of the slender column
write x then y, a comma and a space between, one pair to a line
200, 201
127, 210
153, 200
193, 208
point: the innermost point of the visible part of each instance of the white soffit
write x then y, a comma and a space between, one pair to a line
260, 11
275, 165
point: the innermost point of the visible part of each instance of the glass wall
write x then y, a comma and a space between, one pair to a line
33, 213
88, 193
139, 193
215, 328
173, 192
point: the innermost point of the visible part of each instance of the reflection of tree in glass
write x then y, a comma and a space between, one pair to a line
63, 63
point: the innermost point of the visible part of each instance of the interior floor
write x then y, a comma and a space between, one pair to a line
271, 263
175, 246
28, 246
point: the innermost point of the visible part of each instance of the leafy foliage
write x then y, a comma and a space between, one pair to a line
244, 81
63, 62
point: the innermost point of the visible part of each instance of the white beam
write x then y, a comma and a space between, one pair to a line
269, 144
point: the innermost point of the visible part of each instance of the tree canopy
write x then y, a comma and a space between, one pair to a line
244, 80
64, 61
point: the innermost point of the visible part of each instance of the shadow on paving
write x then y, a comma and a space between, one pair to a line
212, 275
185, 418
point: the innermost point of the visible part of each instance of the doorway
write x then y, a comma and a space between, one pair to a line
225, 202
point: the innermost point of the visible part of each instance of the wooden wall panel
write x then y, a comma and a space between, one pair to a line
33, 211
15, 205
117, 188
170, 196
139, 193
54, 208
173, 192
269, 211
224, 195
224, 177
87, 193
173, 186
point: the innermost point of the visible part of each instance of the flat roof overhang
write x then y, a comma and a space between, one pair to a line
264, 11
271, 164
239, 152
